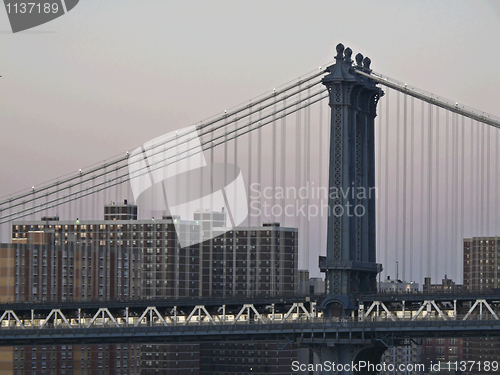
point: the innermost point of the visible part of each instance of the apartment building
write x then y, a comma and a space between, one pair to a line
481, 265
251, 261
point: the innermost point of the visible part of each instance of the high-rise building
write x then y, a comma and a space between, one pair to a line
481, 262
251, 261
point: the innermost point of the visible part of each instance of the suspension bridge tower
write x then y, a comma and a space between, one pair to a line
350, 263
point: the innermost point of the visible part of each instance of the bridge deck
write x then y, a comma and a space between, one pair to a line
314, 331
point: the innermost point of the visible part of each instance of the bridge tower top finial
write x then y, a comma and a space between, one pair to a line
340, 51
366, 64
348, 54
359, 59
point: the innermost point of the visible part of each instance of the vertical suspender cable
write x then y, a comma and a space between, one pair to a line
398, 157
119, 186
274, 150
32, 216
459, 168
471, 182
298, 175
210, 226
235, 206
208, 256
456, 248
479, 189
307, 174
482, 213
378, 167
412, 179
378, 150
320, 178
429, 197
104, 177
94, 207
488, 172
422, 147
68, 205
471, 204
485, 211
386, 185
479, 192
453, 213
259, 164
477, 179
80, 213
447, 197
487, 197
275, 269
462, 190
46, 211
405, 195
283, 163
225, 168
250, 160
153, 196
436, 206
118, 197
46, 205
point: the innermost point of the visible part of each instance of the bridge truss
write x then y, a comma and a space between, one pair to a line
379, 317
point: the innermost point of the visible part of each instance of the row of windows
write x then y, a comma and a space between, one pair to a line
80, 227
